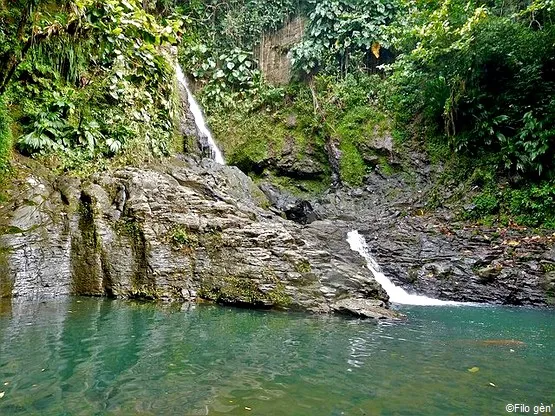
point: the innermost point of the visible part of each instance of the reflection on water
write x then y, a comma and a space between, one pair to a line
92, 356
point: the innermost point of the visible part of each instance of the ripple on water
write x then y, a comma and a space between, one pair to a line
125, 358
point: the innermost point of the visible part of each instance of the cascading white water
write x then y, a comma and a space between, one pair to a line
396, 294
199, 118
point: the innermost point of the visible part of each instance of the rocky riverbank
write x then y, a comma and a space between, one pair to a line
434, 254
176, 231
191, 230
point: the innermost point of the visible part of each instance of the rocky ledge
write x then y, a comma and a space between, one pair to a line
434, 254
177, 231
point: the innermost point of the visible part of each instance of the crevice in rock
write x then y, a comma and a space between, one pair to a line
143, 283
107, 281
86, 273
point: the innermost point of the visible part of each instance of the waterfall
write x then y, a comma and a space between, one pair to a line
396, 294
199, 118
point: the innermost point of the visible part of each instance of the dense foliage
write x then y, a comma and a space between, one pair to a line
345, 35
5, 138
486, 76
92, 81
471, 82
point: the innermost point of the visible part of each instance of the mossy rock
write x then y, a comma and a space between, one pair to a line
243, 291
183, 239
303, 267
6, 281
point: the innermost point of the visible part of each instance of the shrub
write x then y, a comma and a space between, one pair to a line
486, 78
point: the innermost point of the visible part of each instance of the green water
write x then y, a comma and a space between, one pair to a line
93, 356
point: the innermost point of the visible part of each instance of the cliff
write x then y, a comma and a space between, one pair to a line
175, 231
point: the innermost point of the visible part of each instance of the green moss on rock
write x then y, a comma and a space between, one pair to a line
181, 238
243, 291
303, 267
87, 275
6, 282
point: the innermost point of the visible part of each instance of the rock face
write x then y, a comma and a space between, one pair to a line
293, 208
184, 231
434, 255
178, 232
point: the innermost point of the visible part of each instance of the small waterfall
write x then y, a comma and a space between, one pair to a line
396, 294
199, 118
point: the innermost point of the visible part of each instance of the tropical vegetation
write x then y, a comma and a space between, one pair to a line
472, 84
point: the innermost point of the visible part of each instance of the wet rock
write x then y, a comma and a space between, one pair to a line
437, 257
178, 231
382, 144
364, 308
489, 273
295, 162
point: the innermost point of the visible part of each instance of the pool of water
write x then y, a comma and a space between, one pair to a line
94, 357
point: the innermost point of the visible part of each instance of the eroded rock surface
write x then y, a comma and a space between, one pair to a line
431, 253
177, 231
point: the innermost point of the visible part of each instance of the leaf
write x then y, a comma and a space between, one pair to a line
376, 49
474, 369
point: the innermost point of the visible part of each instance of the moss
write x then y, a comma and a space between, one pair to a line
279, 297
128, 227
413, 274
352, 167
87, 274
303, 188
233, 290
303, 267
243, 291
385, 167
181, 238
437, 147
6, 282
11, 230
146, 292
143, 283
212, 241
5, 139
248, 139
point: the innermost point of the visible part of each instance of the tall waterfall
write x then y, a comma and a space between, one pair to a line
396, 294
199, 118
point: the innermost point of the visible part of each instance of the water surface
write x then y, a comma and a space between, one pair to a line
95, 357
